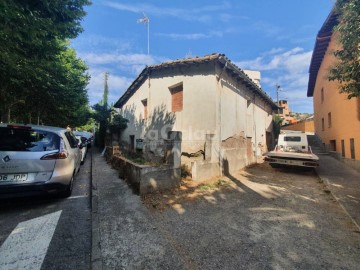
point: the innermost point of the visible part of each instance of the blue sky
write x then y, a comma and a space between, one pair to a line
274, 36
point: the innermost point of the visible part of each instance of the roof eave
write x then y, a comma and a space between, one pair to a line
248, 82
221, 58
323, 39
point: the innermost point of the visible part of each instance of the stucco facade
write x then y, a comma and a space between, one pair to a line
306, 125
336, 118
219, 102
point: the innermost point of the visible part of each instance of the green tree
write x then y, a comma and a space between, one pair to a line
107, 117
117, 123
33, 56
102, 114
104, 101
277, 126
347, 69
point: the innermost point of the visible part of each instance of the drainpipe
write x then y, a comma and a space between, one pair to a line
254, 126
220, 117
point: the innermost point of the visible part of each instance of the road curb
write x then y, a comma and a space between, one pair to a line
328, 186
96, 259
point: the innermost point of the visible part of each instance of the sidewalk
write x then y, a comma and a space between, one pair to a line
344, 184
120, 235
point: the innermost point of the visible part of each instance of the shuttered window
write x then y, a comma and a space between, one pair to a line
329, 119
176, 98
144, 102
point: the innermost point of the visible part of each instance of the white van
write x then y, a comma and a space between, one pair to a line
292, 149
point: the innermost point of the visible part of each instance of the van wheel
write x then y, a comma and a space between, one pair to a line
67, 192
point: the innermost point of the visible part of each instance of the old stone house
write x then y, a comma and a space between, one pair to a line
223, 116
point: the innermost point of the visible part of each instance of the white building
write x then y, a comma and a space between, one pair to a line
224, 117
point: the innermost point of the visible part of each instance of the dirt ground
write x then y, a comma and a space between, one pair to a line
258, 218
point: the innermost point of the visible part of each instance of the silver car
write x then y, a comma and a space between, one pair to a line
82, 140
37, 159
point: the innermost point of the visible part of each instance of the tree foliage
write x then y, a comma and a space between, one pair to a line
347, 69
107, 117
117, 123
277, 125
41, 78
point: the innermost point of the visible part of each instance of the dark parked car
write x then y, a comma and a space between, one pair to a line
87, 135
37, 159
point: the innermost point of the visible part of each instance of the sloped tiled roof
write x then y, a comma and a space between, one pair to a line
322, 42
216, 57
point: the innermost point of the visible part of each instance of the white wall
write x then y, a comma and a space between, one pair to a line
243, 113
212, 104
197, 118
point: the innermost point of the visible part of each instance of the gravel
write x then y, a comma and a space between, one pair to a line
258, 218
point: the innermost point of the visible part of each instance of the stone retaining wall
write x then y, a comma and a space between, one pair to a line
145, 178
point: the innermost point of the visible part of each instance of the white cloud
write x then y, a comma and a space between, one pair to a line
126, 59
200, 14
127, 63
287, 68
97, 42
122, 69
293, 61
274, 51
117, 85
191, 36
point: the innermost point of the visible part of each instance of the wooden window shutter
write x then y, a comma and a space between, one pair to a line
144, 102
176, 98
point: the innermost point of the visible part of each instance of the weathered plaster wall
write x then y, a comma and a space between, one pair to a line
304, 126
243, 113
213, 103
195, 120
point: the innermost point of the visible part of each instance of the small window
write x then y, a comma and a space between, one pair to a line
71, 139
248, 102
176, 98
144, 102
132, 142
332, 145
292, 139
342, 148
26, 139
329, 119
322, 95
352, 148
322, 124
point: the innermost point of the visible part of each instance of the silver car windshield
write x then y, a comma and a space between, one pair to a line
25, 139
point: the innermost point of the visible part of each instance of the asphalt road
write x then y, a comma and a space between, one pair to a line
48, 233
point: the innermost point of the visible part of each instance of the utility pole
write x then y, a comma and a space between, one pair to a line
277, 96
148, 28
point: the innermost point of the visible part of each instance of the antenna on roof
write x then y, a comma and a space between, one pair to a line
188, 54
146, 20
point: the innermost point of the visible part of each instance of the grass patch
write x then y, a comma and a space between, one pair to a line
219, 183
139, 159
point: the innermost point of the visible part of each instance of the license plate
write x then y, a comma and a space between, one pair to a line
15, 177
